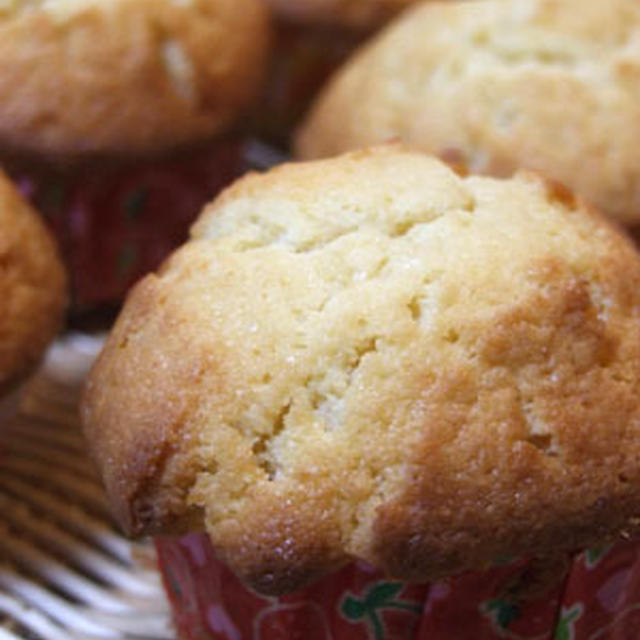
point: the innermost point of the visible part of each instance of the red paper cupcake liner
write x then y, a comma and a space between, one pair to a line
116, 222
596, 598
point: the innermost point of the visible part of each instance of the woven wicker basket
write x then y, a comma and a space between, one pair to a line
65, 571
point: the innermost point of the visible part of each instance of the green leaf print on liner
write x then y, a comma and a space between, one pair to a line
565, 629
353, 609
593, 556
367, 609
172, 582
53, 197
382, 593
503, 559
125, 260
134, 203
502, 611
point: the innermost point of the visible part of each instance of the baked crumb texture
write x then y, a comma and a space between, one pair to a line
355, 14
550, 85
371, 357
121, 76
33, 288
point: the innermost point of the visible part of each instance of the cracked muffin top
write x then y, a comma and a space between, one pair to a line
33, 292
550, 85
119, 76
372, 357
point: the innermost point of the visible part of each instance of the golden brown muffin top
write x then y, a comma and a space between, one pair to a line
551, 85
356, 14
32, 287
372, 357
125, 76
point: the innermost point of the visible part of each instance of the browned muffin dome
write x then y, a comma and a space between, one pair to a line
32, 288
372, 357
126, 75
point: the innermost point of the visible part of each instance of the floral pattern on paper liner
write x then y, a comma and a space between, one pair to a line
598, 598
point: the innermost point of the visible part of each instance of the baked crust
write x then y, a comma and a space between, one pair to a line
125, 76
32, 287
550, 85
354, 14
372, 357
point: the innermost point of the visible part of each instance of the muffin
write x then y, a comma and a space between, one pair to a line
372, 359
495, 86
121, 119
126, 76
32, 290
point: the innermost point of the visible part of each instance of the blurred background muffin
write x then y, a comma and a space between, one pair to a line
33, 288
128, 76
121, 119
493, 86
